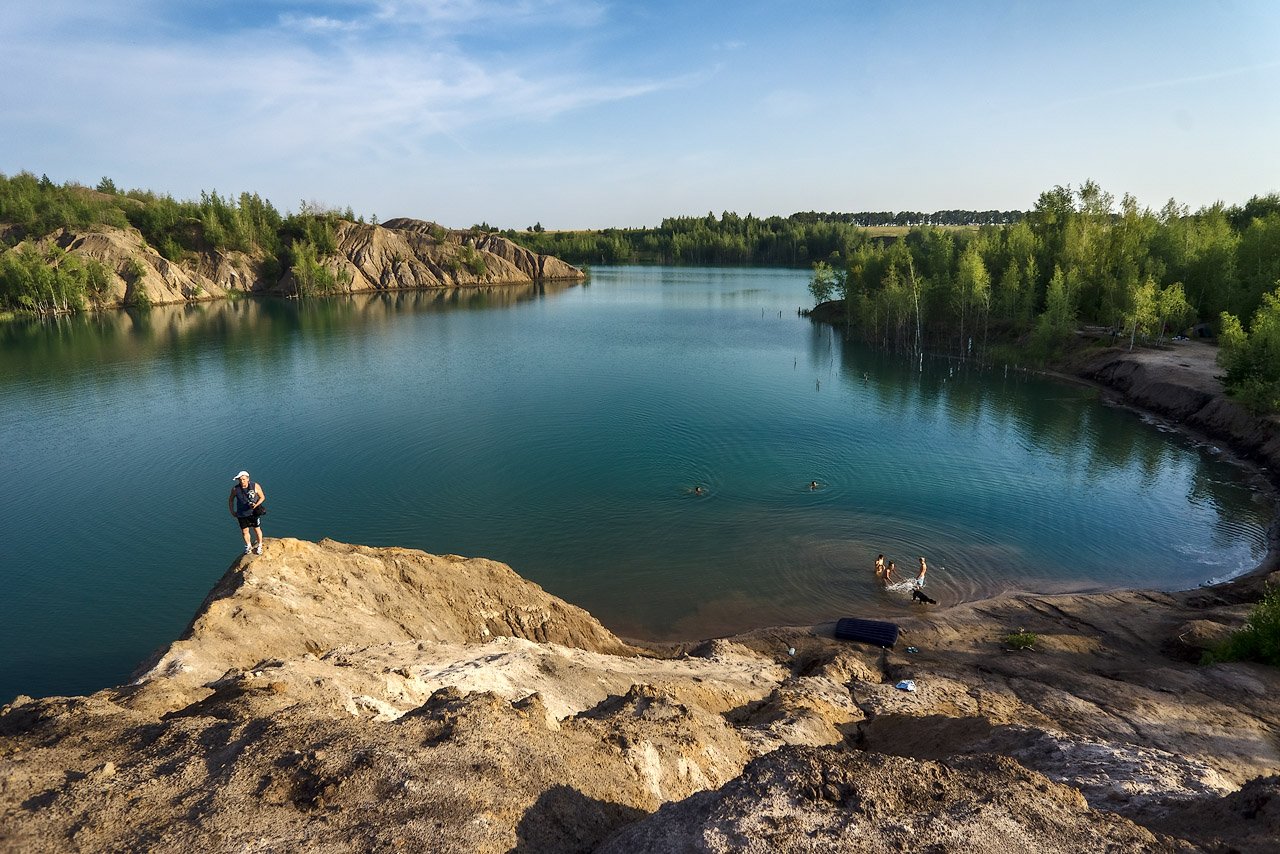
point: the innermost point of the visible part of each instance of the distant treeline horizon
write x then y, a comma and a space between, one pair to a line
733, 239
797, 240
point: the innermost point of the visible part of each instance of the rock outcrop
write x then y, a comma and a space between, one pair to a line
408, 253
138, 273
336, 697
399, 254
529, 264
803, 799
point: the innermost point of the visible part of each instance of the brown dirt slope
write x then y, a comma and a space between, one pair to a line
331, 697
1181, 382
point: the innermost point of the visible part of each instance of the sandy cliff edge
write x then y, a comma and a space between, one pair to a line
338, 697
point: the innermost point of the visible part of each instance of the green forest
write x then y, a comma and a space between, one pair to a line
1076, 259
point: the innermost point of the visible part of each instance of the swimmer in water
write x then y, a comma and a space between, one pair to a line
880, 567
889, 571
920, 574
813, 484
698, 490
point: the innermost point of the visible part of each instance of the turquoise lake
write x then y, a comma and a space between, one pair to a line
561, 429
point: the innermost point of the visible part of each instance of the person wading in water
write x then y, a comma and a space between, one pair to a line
245, 503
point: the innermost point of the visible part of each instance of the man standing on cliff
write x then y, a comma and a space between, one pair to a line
245, 503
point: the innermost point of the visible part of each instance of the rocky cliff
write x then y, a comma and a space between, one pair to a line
331, 697
503, 254
138, 273
398, 254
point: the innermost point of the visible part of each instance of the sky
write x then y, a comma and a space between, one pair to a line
594, 114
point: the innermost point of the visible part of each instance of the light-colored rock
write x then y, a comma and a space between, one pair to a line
334, 697
401, 254
211, 276
806, 799
406, 253
1202, 635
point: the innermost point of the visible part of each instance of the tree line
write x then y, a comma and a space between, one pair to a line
1077, 258
732, 239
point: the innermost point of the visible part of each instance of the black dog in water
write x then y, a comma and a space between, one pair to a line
919, 596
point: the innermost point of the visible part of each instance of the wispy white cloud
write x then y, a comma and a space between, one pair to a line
496, 14
319, 24
275, 91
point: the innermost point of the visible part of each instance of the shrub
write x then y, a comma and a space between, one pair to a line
473, 260
1259, 640
1021, 639
138, 296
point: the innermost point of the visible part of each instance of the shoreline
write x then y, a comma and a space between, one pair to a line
1177, 386
275, 293
1084, 370
1167, 397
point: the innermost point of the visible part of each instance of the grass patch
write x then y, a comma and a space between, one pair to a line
1259, 640
1021, 639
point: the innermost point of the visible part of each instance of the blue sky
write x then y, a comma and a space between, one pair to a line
578, 113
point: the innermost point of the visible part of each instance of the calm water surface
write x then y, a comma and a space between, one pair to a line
562, 430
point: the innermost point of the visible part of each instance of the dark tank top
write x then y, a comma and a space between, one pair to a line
245, 499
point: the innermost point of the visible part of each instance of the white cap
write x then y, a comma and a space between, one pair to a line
242, 474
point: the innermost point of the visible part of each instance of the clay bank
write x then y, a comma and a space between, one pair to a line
336, 697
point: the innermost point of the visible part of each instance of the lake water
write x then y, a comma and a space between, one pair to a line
562, 429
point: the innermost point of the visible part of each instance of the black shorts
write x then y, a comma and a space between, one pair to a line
249, 521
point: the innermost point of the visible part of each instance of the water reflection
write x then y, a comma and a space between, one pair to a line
1036, 415
61, 348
